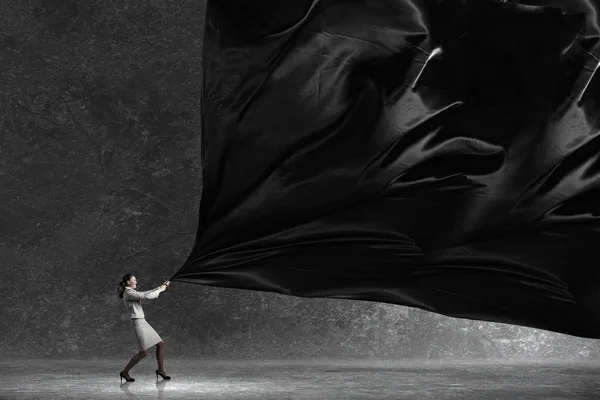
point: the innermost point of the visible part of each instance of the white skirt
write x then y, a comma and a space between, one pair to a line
144, 333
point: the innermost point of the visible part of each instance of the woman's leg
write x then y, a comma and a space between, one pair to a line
160, 356
134, 360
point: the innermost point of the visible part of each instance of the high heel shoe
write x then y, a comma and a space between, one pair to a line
124, 377
163, 376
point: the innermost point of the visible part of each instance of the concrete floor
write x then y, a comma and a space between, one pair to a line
199, 379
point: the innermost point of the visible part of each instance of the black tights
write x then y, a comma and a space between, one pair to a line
160, 358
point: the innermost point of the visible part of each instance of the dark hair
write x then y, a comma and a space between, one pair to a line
123, 284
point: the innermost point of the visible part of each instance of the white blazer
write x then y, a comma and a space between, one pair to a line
133, 300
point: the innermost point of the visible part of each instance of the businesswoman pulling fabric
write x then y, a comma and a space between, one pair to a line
145, 334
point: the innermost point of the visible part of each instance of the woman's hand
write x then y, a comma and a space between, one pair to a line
164, 286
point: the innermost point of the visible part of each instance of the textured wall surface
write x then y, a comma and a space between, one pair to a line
100, 175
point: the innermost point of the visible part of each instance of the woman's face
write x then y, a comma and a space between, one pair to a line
132, 282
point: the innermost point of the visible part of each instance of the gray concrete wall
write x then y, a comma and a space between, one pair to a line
100, 175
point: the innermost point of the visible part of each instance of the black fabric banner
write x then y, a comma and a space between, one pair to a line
435, 154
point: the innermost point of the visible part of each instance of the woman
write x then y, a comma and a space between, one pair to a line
145, 334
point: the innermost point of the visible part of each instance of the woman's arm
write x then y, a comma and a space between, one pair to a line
133, 294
